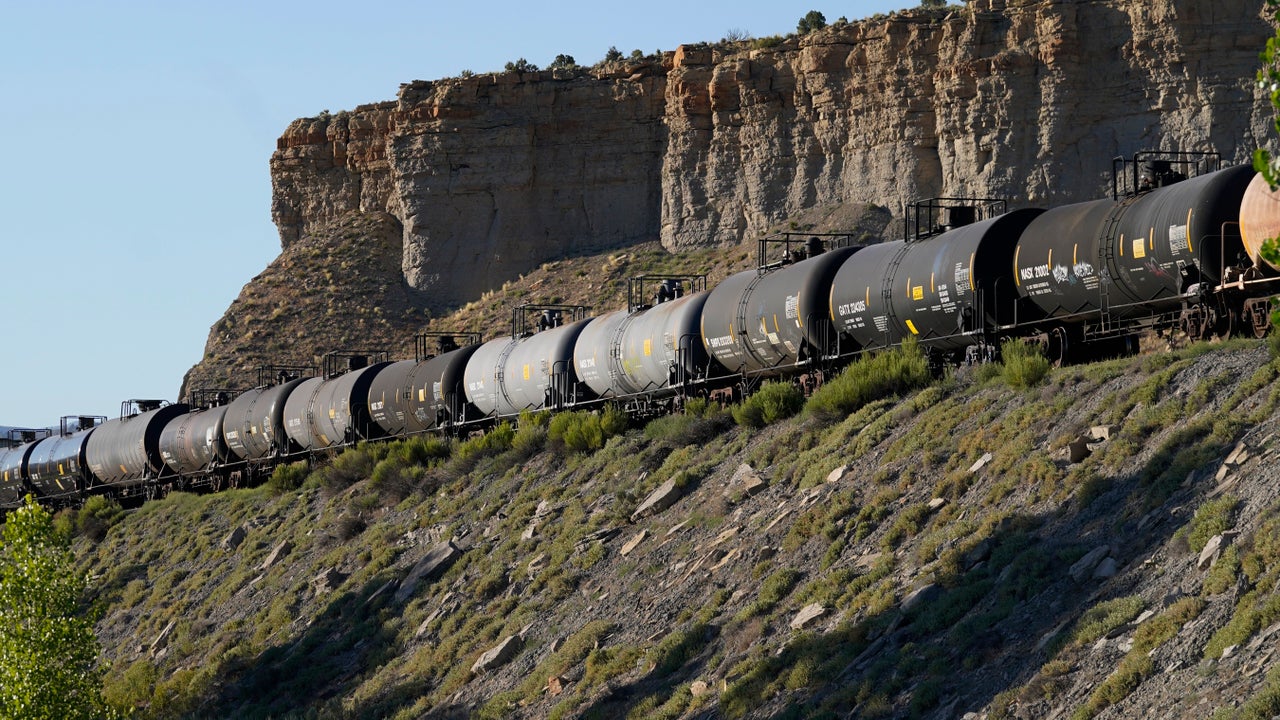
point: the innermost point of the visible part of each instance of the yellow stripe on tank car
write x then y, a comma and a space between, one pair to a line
912, 327
1017, 275
932, 287
775, 323
1015, 268
1151, 239
1075, 253
868, 297
1121, 244
1189, 211
1051, 258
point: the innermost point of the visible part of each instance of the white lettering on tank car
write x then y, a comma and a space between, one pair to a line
719, 342
1177, 238
962, 277
1060, 273
1034, 272
1082, 270
858, 306
793, 307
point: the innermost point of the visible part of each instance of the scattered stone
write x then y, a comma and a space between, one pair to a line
807, 615
1213, 550
1235, 457
1083, 567
981, 463
838, 474
920, 596
766, 552
978, 553
233, 539
777, 520
744, 483
1228, 651
529, 531
436, 561
277, 553
1105, 569
1145, 616
499, 655
1222, 472
378, 593
544, 509
327, 581
535, 565
726, 559
633, 543
555, 685
162, 639
936, 503
1079, 449
1101, 433
724, 535
676, 528
661, 499
698, 688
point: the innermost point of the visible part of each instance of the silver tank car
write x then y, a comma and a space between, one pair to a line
645, 351
762, 323
13, 464
322, 413
412, 397
507, 375
57, 467
127, 450
254, 423
1138, 256
195, 442
943, 290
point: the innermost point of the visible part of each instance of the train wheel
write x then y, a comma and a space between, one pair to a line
1258, 312
1059, 350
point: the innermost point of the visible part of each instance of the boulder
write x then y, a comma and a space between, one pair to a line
327, 581
633, 543
436, 561
277, 553
233, 539
980, 463
660, 499
1082, 569
499, 655
807, 615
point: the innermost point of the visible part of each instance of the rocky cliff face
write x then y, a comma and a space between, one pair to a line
492, 174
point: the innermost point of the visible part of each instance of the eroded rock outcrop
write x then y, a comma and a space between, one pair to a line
492, 174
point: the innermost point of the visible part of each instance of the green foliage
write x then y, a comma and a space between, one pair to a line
497, 440
1269, 81
563, 61
1105, 617
613, 54
48, 654
870, 378
813, 20
582, 431
351, 466
774, 401
1023, 364
288, 477
1211, 518
520, 65
98, 515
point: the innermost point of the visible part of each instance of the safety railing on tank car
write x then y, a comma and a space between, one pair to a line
269, 375
137, 406
69, 424
798, 246
1151, 169
924, 218
670, 287
23, 436
208, 398
339, 362
544, 317
445, 342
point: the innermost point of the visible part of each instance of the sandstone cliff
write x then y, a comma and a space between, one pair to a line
486, 177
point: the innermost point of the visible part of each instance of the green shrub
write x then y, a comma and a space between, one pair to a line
774, 401
870, 378
497, 440
1024, 365
98, 515
351, 466
288, 477
1211, 518
582, 431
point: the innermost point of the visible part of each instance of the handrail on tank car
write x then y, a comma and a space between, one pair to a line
673, 286
22, 436
923, 218
208, 398
82, 422
1159, 166
549, 316
813, 243
137, 406
338, 362
269, 375
445, 342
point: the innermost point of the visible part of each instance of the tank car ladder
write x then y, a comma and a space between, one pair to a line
1106, 259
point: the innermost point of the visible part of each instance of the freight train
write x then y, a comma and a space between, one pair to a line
1178, 245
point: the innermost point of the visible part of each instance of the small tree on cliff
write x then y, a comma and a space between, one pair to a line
564, 61
48, 654
813, 20
1269, 80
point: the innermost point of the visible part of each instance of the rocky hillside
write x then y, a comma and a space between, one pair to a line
484, 178
1099, 544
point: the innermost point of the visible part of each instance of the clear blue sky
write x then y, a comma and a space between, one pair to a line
135, 195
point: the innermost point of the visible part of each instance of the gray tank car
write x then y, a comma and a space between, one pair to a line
126, 451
